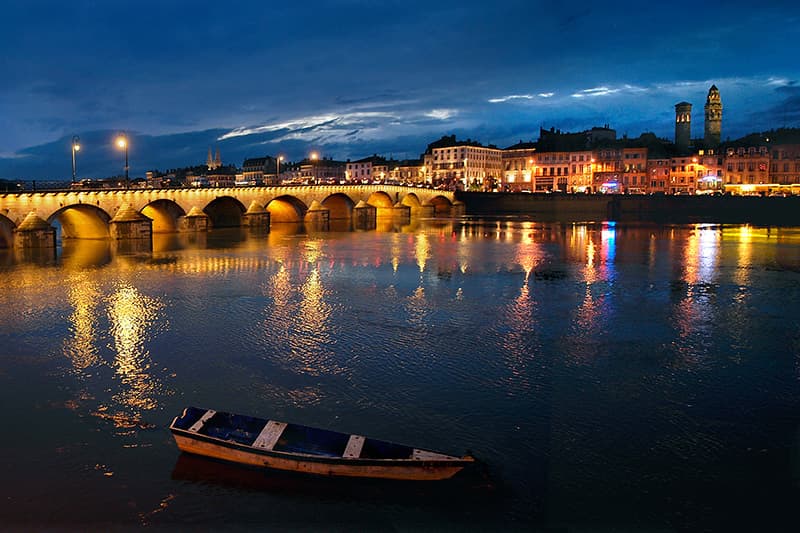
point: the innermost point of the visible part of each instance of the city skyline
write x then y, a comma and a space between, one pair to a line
356, 79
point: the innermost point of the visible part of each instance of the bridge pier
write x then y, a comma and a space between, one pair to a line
364, 216
426, 210
128, 223
194, 221
458, 209
256, 218
34, 232
317, 217
401, 212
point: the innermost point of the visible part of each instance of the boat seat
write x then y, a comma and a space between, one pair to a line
203, 419
269, 435
423, 455
354, 446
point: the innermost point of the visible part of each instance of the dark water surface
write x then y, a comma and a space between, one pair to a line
610, 377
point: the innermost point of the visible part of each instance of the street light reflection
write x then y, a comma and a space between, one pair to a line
132, 316
422, 249
84, 297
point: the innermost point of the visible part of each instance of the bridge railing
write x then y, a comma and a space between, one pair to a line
85, 185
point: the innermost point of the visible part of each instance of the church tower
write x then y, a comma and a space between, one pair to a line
213, 163
713, 126
683, 125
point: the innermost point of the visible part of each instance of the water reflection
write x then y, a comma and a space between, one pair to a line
521, 345
297, 323
422, 249
133, 318
591, 317
84, 297
693, 315
77, 254
579, 346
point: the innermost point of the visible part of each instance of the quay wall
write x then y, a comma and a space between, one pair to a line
630, 208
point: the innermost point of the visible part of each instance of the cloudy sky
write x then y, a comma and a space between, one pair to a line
355, 77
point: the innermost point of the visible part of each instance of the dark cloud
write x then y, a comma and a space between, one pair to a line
785, 113
167, 68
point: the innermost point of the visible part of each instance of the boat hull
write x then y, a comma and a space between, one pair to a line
405, 469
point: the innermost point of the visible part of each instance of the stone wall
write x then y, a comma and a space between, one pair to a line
623, 208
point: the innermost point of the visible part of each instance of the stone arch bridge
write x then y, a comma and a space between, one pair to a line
98, 214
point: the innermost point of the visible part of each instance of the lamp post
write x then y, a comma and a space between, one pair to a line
313, 156
75, 148
278, 169
122, 143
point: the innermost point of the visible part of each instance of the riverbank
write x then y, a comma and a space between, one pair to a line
625, 208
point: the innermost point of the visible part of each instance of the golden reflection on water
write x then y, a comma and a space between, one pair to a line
745, 255
312, 251
301, 328
422, 249
77, 254
84, 297
396, 251
132, 317
701, 255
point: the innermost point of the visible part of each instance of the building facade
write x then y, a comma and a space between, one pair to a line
467, 166
784, 164
518, 167
374, 169
746, 167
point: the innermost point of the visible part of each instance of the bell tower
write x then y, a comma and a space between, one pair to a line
683, 125
713, 124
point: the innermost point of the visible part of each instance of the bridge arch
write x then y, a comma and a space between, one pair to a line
164, 214
225, 212
286, 209
411, 200
340, 206
81, 221
441, 205
380, 199
6, 232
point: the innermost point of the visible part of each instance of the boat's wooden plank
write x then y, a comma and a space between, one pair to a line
425, 455
269, 435
203, 419
354, 446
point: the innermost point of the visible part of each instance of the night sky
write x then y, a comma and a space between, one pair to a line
350, 78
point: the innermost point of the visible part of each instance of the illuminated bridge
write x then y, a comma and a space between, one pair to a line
96, 214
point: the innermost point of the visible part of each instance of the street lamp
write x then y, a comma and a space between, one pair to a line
278, 169
122, 143
75, 148
313, 156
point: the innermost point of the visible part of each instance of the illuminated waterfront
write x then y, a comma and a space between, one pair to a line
611, 376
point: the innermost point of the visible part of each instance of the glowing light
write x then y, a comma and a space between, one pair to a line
132, 316
422, 249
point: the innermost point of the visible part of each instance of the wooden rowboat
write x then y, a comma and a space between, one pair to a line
284, 446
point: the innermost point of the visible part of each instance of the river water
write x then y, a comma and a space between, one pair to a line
608, 376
